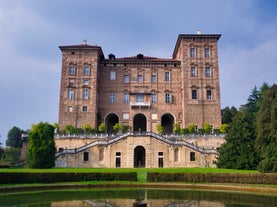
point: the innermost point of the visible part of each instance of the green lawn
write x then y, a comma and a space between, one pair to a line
138, 170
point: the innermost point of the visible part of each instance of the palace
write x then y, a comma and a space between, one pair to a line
140, 93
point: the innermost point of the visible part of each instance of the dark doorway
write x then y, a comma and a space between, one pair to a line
139, 123
111, 120
167, 123
139, 157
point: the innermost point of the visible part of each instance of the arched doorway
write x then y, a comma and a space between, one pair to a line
139, 156
167, 123
139, 123
110, 121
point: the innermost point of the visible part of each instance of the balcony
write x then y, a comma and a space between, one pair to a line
140, 104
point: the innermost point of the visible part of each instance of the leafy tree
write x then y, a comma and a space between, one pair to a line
177, 128
238, 150
87, 128
118, 127
69, 129
14, 138
207, 128
159, 128
266, 142
102, 128
41, 146
11, 156
227, 114
192, 128
223, 128
57, 127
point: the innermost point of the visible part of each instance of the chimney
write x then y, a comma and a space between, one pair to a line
84, 41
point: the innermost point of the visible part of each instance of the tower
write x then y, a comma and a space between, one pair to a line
79, 85
200, 88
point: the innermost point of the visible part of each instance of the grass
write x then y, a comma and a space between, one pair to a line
138, 170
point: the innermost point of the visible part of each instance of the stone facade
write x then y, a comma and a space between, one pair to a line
139, 92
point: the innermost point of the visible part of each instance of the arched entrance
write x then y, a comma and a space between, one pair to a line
139, 156
167, 123
139, 123
110, 121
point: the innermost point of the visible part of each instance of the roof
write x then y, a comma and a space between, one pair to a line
139, 58
83, 46
195, 37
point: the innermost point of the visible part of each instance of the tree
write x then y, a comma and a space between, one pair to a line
14, 138
159, 128
41, 146
266, 142
102, 128
237, 152
118, 127
227, 114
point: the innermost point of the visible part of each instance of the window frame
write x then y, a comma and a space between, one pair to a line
71, 71
207, 52
193, 71
85, 94
70, 94
194, 94
209, 94
112, 97
192, 157
112, 75
153, 78
126, 78
192, 52
140, 78
208, 71
126, 98
167, 76
168, 98
86, 157
153, 98
86, 70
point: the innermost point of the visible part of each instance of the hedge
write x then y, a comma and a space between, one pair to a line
247, 178
36, 177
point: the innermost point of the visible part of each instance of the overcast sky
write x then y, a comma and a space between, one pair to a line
32, 30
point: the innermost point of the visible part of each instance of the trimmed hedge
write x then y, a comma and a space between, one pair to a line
247, 178
35, 177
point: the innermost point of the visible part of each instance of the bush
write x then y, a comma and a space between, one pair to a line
22, 177
255, 178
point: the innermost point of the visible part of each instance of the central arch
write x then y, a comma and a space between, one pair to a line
167, 123
139, 123
139, 156
110, 121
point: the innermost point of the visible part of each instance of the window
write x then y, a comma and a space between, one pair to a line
86, 71
167, 76
70, 94
160, 153
192, 156
86, 82
140, 79
209, 94
207, 52
192, 52
194, 94
139, 98
112, 98
208, 72
153, 78
126, 98
85, 109
118, 159
86, 156
154, 98
72, 70
193, 72
85, 94
112, 75
70, 109
126, 79
168, 98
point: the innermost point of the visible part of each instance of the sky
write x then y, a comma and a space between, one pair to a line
32, 30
